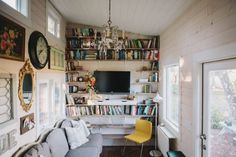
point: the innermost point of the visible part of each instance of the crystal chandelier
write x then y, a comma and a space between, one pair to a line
109, 38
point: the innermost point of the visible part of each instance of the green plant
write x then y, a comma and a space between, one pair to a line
216, 118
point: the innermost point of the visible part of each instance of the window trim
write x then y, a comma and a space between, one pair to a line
12, 13
41, 127
175, 129
55, 15
50, 80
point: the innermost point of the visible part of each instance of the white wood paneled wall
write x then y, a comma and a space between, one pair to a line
37, 22
205, 25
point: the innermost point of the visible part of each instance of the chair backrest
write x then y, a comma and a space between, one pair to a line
144, 126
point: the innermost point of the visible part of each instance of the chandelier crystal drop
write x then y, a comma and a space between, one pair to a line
110, 38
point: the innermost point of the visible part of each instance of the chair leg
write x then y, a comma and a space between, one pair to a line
123, 152
141, 153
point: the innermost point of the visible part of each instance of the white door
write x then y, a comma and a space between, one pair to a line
219, 109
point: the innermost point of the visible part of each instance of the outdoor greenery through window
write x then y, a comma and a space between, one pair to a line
172, 95
19, 5
222, 102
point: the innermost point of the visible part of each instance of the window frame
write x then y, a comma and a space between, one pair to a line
56, 17
51, 82
41, 127
170, 124
17, 14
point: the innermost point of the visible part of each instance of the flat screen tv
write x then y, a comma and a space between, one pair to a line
112, 81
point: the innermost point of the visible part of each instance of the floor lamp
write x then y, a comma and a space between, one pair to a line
155, 153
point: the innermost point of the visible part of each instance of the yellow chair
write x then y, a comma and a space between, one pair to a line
142, 133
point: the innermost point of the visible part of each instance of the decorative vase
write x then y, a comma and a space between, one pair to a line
90, 94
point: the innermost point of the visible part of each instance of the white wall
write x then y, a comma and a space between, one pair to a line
206, 25
37, 22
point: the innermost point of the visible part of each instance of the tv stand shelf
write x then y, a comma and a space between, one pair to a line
121, 116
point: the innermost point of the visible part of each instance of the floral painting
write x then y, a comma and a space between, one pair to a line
12, 40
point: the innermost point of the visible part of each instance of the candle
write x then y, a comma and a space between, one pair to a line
123, 34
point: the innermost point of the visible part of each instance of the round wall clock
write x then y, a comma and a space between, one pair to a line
38, 50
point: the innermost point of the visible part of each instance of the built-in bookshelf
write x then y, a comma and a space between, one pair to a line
117, 115
82, 44
106, 110
115, 108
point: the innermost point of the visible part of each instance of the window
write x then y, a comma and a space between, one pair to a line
50, 100
43, 101
6, 98
19, 5
172, 95
53, 20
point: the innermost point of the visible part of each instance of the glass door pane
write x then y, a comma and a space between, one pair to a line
219, 109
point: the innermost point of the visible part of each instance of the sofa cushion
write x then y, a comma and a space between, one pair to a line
76, 137
83, 152
57, 142
66, 123
95, 140
81, 124
39, 150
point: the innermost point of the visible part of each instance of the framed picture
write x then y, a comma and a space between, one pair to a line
57, 59
26, 123
12, 40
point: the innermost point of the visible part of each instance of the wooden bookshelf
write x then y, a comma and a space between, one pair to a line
142, 93
142, 83
125, 116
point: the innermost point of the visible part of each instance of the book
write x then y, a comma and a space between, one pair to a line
78, 111
92, 110
87, 111
100, 109
133, 110
127, 109
145, 112
153, 111
149, 44
97, 110
150, 110
140, 110
70, 99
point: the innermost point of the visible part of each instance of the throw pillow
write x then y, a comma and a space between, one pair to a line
76, 137
81, 124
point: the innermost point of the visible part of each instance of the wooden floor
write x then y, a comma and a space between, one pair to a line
130, 151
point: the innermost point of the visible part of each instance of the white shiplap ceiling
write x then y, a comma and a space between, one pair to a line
148, 17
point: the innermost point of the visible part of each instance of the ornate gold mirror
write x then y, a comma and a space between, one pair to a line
26, 86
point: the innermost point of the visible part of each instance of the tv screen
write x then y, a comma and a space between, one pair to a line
112, 81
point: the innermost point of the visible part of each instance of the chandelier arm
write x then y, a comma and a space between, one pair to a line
109, 21
110, 37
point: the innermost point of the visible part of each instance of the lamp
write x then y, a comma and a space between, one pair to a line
109, 38
155, 153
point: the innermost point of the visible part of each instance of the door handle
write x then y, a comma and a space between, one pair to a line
203, 137
204, 147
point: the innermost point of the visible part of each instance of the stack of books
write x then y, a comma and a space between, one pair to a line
110, 110
90, 55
